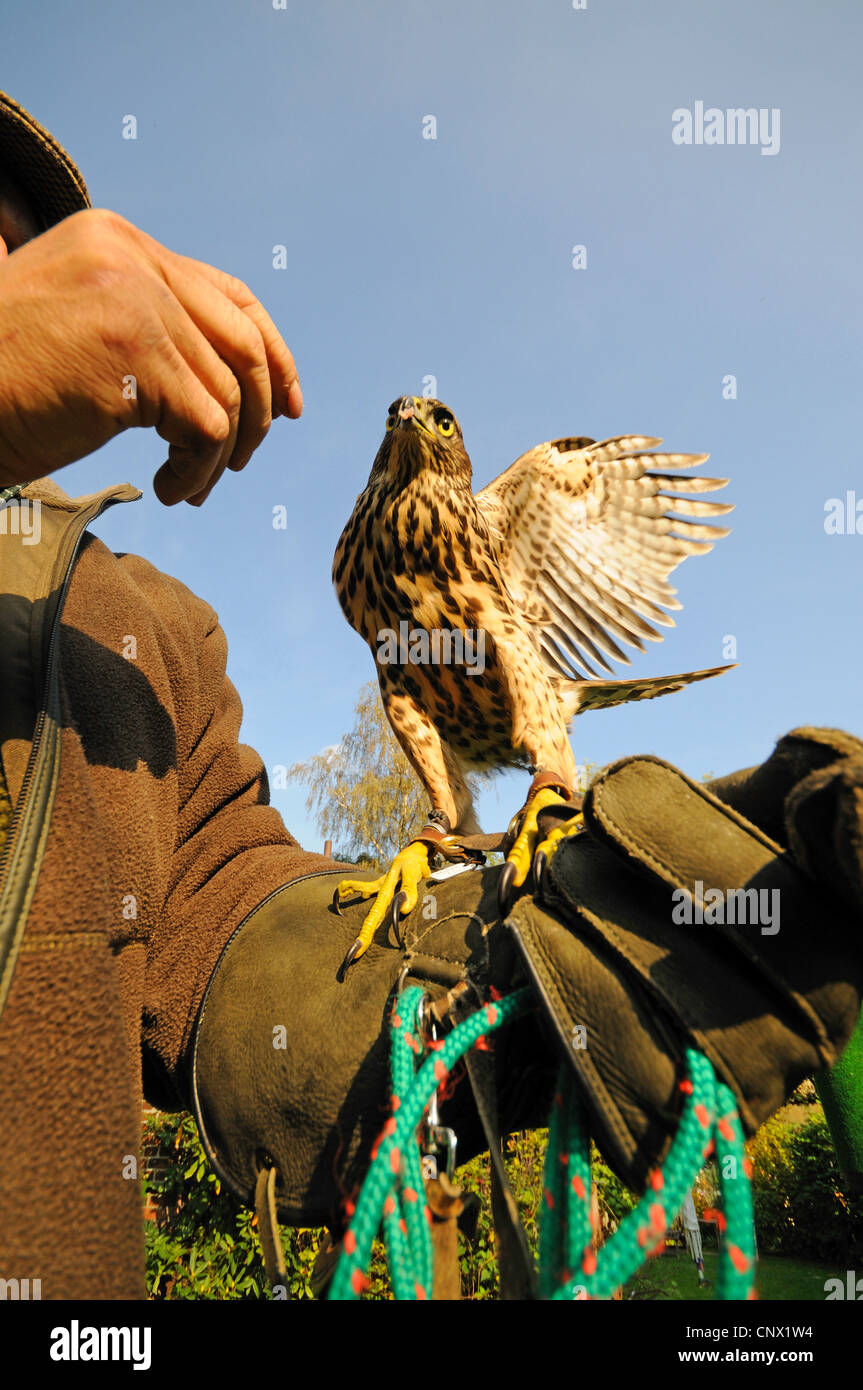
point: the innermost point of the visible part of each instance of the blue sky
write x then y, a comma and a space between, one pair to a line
452, 257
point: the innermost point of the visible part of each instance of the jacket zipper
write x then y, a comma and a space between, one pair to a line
21, 855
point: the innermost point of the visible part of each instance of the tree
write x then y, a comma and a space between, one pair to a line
363, 793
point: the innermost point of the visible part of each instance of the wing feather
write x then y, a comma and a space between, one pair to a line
586, 536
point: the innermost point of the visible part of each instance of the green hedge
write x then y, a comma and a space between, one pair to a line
799, 1195
206, 1246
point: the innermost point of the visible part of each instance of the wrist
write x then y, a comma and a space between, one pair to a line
14, 465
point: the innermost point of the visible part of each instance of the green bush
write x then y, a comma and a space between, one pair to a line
206, 1245
800, 1203
524, 1156
616, 1199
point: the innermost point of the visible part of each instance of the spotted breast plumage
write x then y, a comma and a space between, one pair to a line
493, 616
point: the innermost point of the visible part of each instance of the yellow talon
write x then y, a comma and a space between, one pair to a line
552, 841
350, 887
409, 868
522, 852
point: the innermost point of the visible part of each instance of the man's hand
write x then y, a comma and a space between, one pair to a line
103, 329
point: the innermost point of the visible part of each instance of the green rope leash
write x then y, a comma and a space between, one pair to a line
564, 1214
709, 1120
393, 1189
569, 1268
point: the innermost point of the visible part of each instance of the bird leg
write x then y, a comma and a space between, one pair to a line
452, 808
549, 800
410, 866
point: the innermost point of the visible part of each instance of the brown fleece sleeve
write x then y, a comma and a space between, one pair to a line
227, 849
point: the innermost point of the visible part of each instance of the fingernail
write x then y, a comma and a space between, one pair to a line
294, 401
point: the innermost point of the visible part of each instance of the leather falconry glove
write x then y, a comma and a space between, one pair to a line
633, 955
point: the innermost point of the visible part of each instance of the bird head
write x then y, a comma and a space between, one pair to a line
423, 434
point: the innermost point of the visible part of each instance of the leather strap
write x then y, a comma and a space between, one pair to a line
549, 779
515, 1262
688, 838
456, 848
446, 1206
268, 1228
488, 844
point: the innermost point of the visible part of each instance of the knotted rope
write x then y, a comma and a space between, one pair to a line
569, 1266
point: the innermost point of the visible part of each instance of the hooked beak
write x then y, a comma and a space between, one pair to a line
408, 414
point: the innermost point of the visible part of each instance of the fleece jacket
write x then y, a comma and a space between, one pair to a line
157, 842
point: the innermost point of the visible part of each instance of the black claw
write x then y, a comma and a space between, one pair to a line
348, 960
336, 904
540, 860
398, 903
504, 889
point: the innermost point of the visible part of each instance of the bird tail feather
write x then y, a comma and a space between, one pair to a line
582, 695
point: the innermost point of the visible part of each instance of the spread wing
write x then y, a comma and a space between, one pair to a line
586, 536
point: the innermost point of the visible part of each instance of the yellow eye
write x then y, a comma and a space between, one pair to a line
391, 422
445, 423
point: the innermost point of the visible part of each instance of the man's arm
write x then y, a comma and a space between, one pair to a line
222, 848
622, 987
102, 329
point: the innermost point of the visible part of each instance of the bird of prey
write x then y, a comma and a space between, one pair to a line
545, 573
